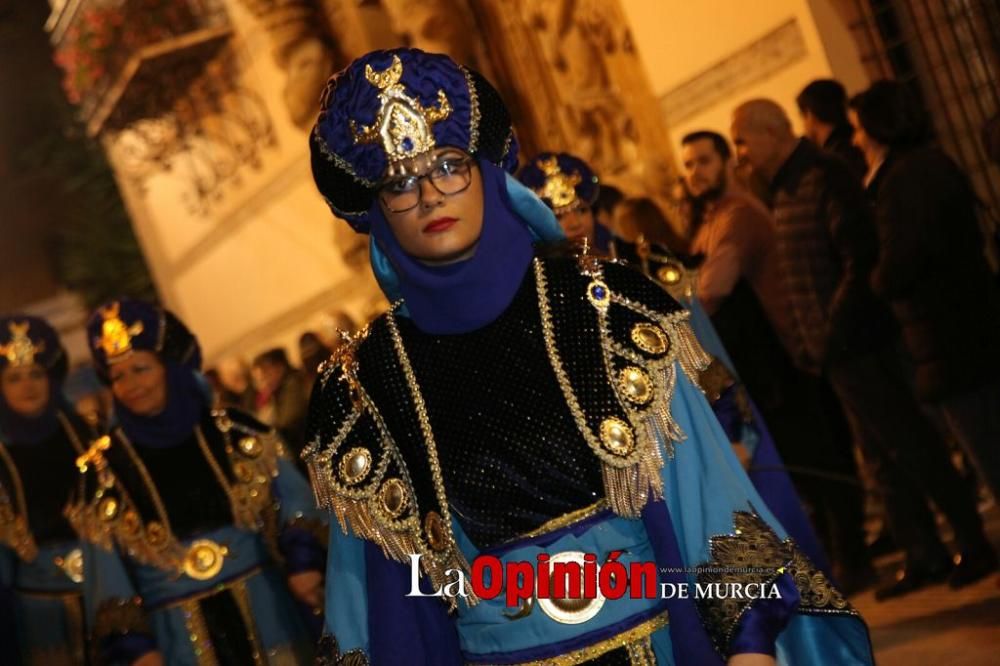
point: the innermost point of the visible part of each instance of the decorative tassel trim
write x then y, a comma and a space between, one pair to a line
631, 474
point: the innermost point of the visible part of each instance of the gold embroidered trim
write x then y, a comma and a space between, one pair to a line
474, 116
755, 546
328, 654
564, 520
364, 508
15, 531
339, 161
448, 555
111, 516
631, 474
197, 628
242, 597
635, 640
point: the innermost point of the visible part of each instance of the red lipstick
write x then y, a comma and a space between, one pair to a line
440, 224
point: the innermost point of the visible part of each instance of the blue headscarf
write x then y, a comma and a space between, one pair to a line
470, 294
26, 340
119, 327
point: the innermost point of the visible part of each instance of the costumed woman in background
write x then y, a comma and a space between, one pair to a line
568, 185
41, 566
512, 405
199, 530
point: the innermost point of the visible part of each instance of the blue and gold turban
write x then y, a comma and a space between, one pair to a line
118, 328
563, 181
27, 340
389, 106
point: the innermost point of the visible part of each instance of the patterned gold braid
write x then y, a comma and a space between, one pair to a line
630, 479
154, 543
635, 641
451, 556
474, 114
754, 553
14, 528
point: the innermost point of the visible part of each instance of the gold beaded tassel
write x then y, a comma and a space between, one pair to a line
693, 358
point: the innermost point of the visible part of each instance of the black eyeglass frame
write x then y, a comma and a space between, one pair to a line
461, 161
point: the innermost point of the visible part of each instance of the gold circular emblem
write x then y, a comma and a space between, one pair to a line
204, 559
251, 447
156, 534
567, 610
355, 465
650, 338
616, 435
437, 536
108, 508
393, 497
635, 384
670, 273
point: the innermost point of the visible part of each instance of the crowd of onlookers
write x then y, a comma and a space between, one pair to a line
846, 272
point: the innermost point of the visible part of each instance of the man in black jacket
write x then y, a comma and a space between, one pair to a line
933, 271
823, 106
827, 247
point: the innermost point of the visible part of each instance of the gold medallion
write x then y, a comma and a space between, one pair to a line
636, 385
650, 338
670, 273
393, 497
355, 465
616, 435
569, 610
204, 559
251, 447
437, 536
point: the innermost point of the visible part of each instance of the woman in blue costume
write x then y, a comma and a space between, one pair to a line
201, 536
569, 187
510, 404
41, 566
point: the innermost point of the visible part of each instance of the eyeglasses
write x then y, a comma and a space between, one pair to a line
449, 175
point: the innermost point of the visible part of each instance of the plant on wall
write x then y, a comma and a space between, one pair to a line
96, 251
102, 37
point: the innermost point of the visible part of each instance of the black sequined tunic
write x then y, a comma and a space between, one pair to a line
47, 471
511, 455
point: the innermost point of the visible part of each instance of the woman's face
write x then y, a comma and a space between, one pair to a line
25, 389
578, 223
436, 210
139, 382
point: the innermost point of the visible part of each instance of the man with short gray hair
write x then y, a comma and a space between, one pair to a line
826, 249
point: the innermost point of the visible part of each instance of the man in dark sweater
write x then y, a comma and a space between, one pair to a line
826, 249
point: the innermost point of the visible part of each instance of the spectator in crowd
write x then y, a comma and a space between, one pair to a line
826, 249
740, 287
823, 105
313, 352
933, 270
281, 397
